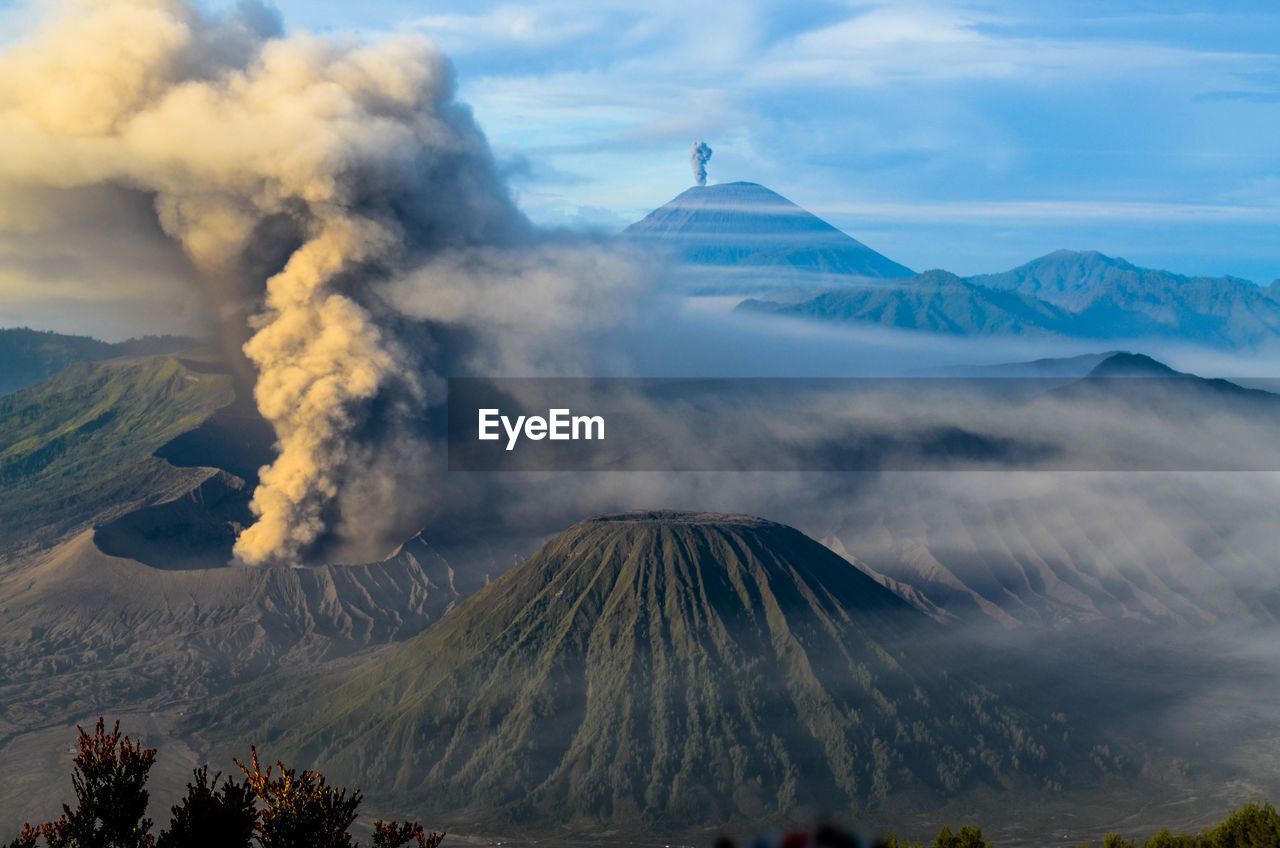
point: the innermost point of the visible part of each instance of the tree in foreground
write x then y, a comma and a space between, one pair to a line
290, 809
1255, 825
394, 835
109, 778
301, 810
26, 839
212, 816
968, 837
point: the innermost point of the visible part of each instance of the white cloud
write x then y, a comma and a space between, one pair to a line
892, 43
1049, 210
543, 25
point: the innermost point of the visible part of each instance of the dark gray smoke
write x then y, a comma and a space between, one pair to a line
698, 156
305, 179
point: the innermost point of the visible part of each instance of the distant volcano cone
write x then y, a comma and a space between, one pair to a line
667, 668
746, 224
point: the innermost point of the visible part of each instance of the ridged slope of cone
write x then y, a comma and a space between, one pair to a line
746, 224
667, 668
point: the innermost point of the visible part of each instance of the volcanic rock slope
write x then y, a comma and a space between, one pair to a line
115, 531
664, 668
117, 514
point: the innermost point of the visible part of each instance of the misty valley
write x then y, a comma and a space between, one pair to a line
340, 496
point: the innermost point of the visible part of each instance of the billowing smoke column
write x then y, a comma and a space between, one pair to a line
303, 177
698, 156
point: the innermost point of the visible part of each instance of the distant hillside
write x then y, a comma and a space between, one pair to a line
668, 669
1049, 367
118, 508
1113, 298
78, 447
935, 302
1147, 386
1084, 296
745, 227
29, 356
1128, 365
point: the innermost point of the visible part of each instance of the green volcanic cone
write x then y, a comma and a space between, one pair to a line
666, 668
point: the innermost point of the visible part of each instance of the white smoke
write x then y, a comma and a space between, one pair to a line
698, 156
300, 175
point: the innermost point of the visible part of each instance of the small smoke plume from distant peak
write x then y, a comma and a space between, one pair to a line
698, 156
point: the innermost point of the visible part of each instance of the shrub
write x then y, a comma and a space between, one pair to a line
209, 816
393, 835
1252, 826
109, 778
26, 839
301, 809
289, 810
968, 837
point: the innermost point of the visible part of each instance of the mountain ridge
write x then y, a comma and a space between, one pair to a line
935, 301
666, 668
743, 224
1111, 296
1065, 294
80, 447
30, 356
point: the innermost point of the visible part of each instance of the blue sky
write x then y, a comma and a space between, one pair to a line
970, 136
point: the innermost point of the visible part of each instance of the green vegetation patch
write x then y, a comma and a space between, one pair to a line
30, 356
80, 443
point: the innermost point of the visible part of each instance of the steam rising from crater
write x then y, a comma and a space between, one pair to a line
303, 178
699, 154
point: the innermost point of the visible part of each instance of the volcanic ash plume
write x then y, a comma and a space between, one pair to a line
306, 171
318, 355
698, 156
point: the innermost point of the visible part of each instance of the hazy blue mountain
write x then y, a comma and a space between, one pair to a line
28, 356
1069, 366
1112, 298
1126, 364
1064, 294
936, 302
1140, 381
744, 238
747, 226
